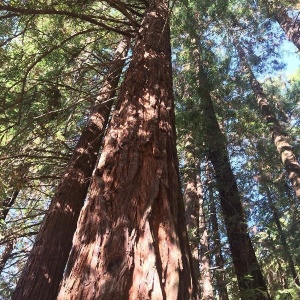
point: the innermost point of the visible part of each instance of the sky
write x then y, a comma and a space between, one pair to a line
291, 56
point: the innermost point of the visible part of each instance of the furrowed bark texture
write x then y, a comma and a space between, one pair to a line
191, 200
205, 276
131, 239
243, 255
220, 276
196, 223
281, 141
290, 26
44, 269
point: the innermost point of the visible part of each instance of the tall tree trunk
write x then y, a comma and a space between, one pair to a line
192, 204
250, 280
281, 277
44, 269
279, 138
285, 247
243, 255
205, 276
131, 241
249, 276
196, 223
290, 26
220, 276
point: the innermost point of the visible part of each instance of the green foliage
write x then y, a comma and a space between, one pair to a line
54, 56
254, 157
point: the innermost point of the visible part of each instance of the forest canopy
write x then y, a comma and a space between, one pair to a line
149, 149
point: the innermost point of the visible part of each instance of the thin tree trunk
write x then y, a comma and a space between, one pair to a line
6, 255
250, 280
205, 276
9, 247
7, 204
196, 223
290, 26
220, 276
285, 247
192, 204
44, 269
279, 138
283, 278
249, 276
131, 241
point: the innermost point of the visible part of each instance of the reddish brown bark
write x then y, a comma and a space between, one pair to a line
44, 269
131, 240
196, 223
281, 141
290, 26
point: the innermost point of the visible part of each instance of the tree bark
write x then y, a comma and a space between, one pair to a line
9, 247
7, 204
44, 269
6, 255
131, 241
285, 247
196, 223
290, 26
220, 276
250, 280
205, 276
191, 200
281, 141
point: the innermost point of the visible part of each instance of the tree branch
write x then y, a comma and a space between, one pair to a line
47, 11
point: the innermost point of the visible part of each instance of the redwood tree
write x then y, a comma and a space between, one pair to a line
196, 221
290, 26
191, 201
285, 247
220, 275
250, 280
44, 269
205, 275
131, 240
278, 135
